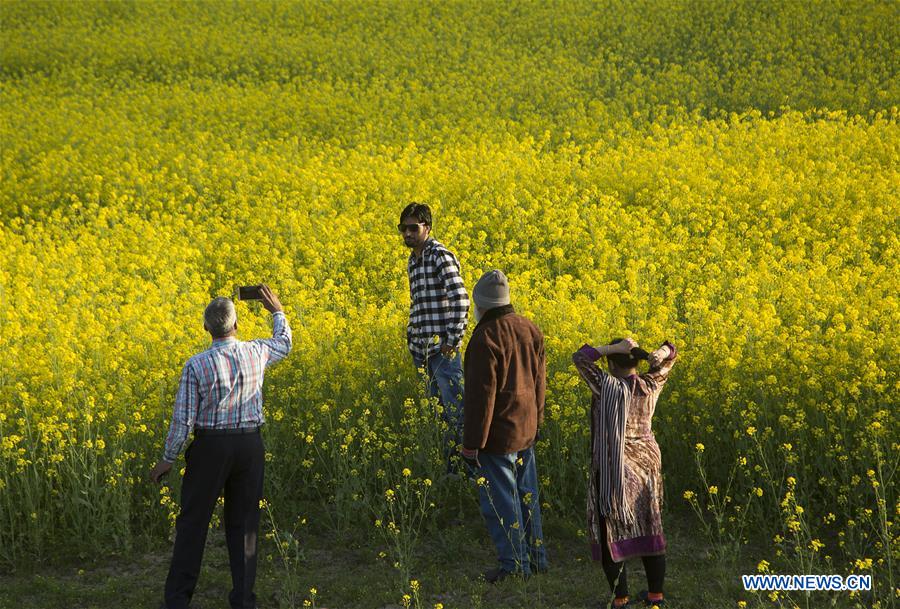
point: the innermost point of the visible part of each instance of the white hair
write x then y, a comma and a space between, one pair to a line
220, 316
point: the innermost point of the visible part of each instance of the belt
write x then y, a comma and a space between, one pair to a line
226, 431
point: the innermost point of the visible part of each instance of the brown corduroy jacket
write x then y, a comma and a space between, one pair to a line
505, 383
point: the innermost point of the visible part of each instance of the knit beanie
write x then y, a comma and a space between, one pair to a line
491, 291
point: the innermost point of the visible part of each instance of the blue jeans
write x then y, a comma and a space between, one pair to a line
511, 507
445, 381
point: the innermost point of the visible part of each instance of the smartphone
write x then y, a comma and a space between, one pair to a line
249, 292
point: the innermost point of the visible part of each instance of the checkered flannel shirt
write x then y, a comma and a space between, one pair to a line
439, 301
222, 386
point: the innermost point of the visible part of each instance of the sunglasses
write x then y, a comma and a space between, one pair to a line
411, 227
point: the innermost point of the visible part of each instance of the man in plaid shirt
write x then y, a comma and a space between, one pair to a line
220, 400
438, 314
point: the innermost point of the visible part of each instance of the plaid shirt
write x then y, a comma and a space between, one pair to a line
439, 302
222, 387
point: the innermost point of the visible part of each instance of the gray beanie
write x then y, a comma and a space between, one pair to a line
491, 291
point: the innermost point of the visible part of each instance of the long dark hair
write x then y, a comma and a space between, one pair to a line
626, 361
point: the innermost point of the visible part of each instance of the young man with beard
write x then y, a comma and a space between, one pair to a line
438, 313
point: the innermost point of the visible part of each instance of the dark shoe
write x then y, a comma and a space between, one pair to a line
496, 575
648, 603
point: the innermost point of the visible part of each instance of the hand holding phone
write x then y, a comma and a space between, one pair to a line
260, 292
269, 299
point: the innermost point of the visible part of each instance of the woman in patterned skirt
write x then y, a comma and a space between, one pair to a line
626, 487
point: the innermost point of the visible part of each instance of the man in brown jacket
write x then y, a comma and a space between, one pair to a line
505, 380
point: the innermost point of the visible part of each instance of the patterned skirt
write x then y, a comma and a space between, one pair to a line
641, 534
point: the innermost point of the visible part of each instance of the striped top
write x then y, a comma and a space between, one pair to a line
222, 387
439, 302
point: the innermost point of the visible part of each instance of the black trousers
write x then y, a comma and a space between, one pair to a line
234, 463
617, 573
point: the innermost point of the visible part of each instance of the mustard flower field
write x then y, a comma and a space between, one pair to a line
721, 174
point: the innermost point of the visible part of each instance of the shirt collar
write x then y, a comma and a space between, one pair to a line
223, 342
495, 313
